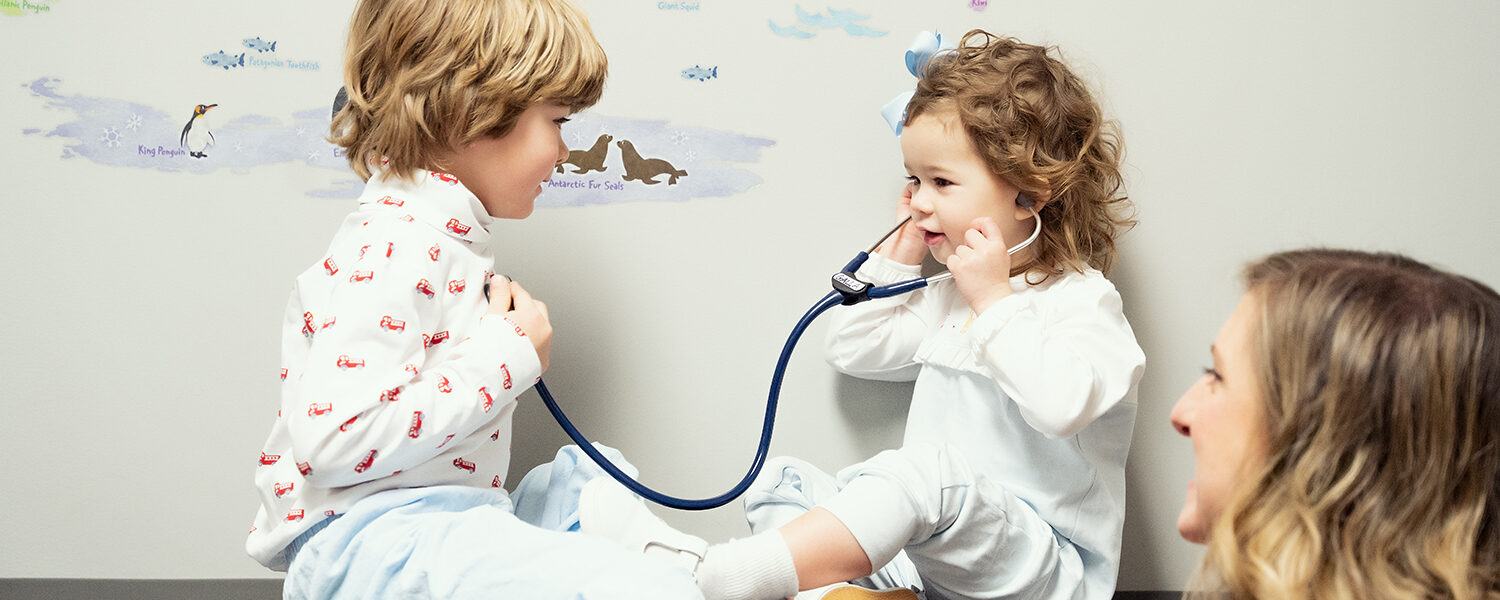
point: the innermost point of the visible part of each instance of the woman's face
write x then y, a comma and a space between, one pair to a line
1222, 416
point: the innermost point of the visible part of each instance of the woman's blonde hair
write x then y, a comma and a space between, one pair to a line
427, 76
1382, 415
1037, 127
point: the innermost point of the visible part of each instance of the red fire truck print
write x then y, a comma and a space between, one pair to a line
411, 368
485, 399
304, 468
391, 395
365, 464
457, 227
495, 437
433, 252
456, 286
389, 247
269, 459
443, 385
445, 178
319, 408
345, 362
283, 373
345, 426
362, 250
519, 331
283, 489
439, 337
389, 201
361, 276
504, 376
307, 320
329, 323
445, 441
494, 483
408, 218
464, 464
425, 288
295, 515
388, 323
330, 266
415, 431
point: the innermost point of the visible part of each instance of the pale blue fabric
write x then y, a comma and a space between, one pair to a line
458, 542
923, 47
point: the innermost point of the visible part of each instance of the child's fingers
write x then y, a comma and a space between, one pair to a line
983, 229
519, 295
500, 295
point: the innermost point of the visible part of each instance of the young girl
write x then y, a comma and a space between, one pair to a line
1011, 480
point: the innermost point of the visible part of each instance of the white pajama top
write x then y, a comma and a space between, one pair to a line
1038, 392
393, 376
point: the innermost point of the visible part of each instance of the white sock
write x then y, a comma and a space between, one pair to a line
758, 567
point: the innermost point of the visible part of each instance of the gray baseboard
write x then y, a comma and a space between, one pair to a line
140, 589
224, 589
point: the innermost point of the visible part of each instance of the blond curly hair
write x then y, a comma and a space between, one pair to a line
1036, 126
427, 76
1382, 416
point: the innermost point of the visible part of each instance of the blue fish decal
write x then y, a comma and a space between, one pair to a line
220, 59
259, 45
700, 73
792, 31
816, 20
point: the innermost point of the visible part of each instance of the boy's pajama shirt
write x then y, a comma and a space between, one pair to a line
393, 376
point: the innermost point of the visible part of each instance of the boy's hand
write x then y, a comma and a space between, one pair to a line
981, 267
509, 299
906, 247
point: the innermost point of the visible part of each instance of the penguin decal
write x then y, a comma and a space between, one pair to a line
591, 159
195, 135
646, 170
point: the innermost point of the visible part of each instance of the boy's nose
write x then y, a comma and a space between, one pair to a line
562, 151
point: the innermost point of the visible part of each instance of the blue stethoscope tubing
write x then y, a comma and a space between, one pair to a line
848, 290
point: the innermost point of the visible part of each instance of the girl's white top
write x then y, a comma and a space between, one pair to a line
1039, 392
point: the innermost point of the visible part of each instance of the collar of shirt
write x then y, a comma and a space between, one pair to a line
436, 199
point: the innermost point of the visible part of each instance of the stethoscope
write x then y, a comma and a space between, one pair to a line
847, 290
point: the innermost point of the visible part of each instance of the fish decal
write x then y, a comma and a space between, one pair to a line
259, 45
700, 73
848, 20
225, 61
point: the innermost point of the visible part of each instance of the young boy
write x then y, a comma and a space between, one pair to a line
383, 473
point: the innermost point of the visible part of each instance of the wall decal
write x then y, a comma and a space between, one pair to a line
847, 20
700, 73
630, 160
25, 7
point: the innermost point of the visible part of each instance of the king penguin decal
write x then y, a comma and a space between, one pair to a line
195, 135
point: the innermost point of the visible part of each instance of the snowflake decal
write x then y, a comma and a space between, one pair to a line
691, 156
301, 131
314, 155
111, 137
134, 123
680, 137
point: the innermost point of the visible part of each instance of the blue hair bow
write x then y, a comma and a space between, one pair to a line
926, 45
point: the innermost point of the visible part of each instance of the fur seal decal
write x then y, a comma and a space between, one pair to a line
591, 159
646, 170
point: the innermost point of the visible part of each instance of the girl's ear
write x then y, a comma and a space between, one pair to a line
1025, 203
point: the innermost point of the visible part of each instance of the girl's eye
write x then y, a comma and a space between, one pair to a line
940, 182
912, 179
1212, 374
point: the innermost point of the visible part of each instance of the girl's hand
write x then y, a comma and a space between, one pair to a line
981, 267
509, 299
906, 246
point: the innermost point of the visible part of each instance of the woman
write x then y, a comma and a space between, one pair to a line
1347, 436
